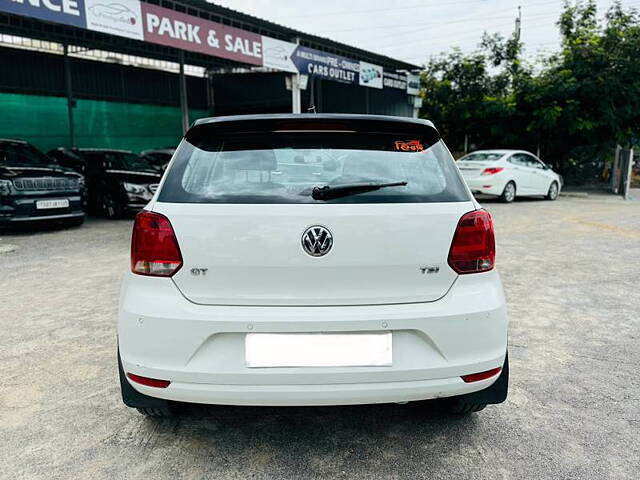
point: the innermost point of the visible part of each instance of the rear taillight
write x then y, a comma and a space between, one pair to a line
492, 171
154, 247
149, 382
473, 247
476, 377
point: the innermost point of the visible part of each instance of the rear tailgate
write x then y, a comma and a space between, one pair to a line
254, 256
238, 194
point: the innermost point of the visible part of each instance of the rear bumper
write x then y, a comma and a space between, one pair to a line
134, 207
314, 395
486, 185
43, 218
200, 349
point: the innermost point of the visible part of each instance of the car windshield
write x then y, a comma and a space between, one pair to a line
482, 157
285, 168
120, 160
23, 155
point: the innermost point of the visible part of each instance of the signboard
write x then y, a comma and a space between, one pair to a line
370, 75
309, 61
278, 55
315, 63
148, 22
122, 18
68, 12
395, 80
413, 84
175, 29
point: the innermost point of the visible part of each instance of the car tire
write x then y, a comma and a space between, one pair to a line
476, 401
155, 412
509, 193
110, 207
464, 408
552, 194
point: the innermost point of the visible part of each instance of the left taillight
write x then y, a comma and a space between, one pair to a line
492, 170
154, 246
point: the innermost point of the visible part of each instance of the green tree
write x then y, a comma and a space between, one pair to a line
575, 108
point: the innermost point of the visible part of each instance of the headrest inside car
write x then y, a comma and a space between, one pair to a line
264, 160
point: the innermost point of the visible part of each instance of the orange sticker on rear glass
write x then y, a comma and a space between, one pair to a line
409, 146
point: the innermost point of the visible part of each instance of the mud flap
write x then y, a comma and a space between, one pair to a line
496, 393
134, 399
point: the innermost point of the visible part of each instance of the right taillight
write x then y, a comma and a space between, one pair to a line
154, 246
473, 247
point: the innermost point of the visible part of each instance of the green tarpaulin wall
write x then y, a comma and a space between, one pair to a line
42, 121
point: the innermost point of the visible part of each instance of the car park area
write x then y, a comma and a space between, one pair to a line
570, 273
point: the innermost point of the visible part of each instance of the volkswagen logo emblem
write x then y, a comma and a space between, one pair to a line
317, 241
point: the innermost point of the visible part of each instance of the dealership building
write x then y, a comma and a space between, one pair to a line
134, 74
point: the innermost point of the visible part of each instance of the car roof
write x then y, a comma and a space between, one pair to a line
312, 116
12, 140
501, 151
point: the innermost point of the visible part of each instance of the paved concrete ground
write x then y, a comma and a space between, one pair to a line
571, 270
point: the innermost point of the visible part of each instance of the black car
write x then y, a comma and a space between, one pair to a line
159, 158
118, 181
33, 187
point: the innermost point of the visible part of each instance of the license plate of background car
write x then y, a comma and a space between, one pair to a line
318, 349
44, 204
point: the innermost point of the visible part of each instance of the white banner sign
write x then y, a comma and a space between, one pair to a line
370, 75
278, 54
121, 17
413, 84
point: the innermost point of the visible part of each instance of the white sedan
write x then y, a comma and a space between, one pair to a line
509, 173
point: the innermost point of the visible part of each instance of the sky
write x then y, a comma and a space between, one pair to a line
414, 30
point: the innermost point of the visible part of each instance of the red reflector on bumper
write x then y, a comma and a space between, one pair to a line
149, 382
476, 377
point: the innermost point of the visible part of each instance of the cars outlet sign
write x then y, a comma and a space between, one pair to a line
150, 23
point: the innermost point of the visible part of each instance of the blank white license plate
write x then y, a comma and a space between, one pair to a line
59, 203
318, 349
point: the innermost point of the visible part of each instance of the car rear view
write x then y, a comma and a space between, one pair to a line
312, 260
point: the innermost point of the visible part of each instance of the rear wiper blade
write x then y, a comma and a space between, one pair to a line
330, 192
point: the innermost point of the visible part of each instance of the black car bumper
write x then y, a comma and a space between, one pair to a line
134, 207
25, 208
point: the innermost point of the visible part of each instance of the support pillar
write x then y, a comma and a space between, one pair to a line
184, 106
70, 101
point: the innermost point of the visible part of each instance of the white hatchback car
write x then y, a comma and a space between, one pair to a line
312, 260
509, 174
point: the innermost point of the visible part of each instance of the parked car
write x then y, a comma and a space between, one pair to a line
34, 188
312, 260
508, 174
118, 181
159, 158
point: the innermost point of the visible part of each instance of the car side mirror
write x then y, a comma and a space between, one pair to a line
548, 166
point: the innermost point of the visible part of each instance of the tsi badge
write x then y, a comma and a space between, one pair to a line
428, 269
196, 272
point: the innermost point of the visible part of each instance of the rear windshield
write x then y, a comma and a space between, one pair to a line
482, 157
285, 167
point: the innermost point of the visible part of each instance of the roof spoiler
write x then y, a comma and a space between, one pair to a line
311, 122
